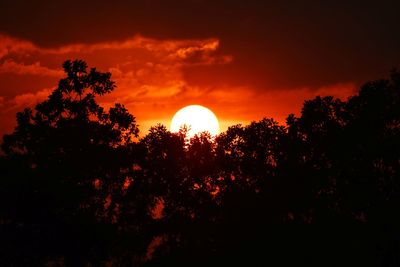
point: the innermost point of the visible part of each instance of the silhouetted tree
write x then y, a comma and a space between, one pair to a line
72, 157
79, 188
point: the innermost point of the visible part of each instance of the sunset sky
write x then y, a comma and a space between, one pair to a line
244, 60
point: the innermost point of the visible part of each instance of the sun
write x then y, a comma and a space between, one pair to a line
197, 118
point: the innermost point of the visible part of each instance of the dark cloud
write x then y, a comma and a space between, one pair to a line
275, 44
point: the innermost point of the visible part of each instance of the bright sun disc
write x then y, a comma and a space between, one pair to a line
197, 118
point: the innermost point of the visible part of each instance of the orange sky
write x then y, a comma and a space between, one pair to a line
150, 80
244, 60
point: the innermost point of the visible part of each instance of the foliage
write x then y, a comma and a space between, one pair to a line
79, 189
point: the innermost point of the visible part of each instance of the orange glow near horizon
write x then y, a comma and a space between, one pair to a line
152, 81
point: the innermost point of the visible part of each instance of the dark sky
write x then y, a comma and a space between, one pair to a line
292, 42
275, 45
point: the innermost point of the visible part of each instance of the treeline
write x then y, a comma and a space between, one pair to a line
79, 188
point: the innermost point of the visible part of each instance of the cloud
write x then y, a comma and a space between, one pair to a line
144, 64
29, 99
170, 50
148, 72
10, 45
151, 81
10, 66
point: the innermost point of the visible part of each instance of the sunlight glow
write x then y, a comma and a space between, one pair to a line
197, 118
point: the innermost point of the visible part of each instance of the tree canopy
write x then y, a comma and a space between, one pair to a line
80, 188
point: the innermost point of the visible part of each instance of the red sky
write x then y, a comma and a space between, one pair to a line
244, 60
